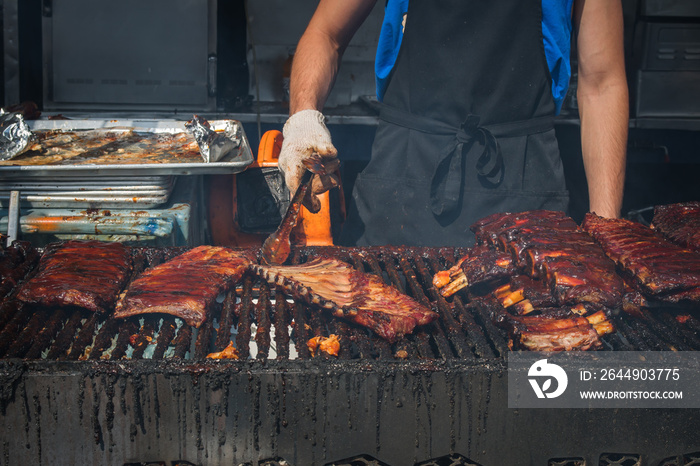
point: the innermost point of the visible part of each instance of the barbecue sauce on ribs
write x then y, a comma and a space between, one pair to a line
357, 296
185, 286
679, 223
86, 274
556, 273
658, 267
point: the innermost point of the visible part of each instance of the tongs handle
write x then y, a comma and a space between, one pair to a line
277, 246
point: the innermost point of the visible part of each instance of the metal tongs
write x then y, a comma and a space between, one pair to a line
277, 246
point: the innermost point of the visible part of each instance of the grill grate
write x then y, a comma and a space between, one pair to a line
264, 322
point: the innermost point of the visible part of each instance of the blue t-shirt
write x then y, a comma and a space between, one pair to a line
556, 29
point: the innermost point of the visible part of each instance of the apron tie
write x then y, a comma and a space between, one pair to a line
446, 185
447, 181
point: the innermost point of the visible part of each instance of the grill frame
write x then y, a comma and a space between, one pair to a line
308, 412
315, 410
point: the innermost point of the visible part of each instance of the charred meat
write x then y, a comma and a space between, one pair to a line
15, 261
86, 274
577, 333
479, 266
357, 296
523, 295
556, 276
679, 223
544, 245
549, 245
556, 333
660, 268
185, 286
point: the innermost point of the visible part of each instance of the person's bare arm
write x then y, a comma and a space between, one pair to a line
307, 142
603, 101
320, 49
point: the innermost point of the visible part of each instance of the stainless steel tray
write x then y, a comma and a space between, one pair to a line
233, 163
104, 192
142, 201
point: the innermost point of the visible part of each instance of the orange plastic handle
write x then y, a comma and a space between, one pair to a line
269, 149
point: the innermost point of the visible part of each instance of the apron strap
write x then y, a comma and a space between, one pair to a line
447, 181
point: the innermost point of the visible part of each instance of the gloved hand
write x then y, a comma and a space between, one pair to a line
307, 144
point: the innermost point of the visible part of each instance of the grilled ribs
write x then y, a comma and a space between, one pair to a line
556, 272
15, 261
660, 268
679, 223
185, 286
357, 296
545, 333
86, 274
502, 227
523, 295
549, 246
479, 266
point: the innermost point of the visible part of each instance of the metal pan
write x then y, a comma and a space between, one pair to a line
235, 162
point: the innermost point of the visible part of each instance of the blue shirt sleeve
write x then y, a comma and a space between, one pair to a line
556, 29
389, 43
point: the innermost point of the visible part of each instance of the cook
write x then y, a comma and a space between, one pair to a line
468, 93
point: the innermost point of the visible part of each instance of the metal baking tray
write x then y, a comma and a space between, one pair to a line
89, 200
88, 183
107, 192
235, 162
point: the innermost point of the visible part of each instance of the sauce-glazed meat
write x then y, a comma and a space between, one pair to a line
87, 274
15, 261
545, 245
557, 275
554, 332
185, 286
679, 223
359, 297
660, 268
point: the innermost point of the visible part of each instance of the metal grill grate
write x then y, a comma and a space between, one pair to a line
266, 323
616, 459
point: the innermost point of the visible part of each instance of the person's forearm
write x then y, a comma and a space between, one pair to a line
603, 101
314, 69
320, 49
604, 111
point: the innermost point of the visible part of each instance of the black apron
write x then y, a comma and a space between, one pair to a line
466, 128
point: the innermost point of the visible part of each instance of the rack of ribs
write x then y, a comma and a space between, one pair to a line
187, 285
359, 297
524, 295
545, 333
552, 275
661, 269
481, 265
679, 223
544, 245
86, 274
16, 261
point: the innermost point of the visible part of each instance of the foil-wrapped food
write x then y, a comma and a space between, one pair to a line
214, 143
15, 135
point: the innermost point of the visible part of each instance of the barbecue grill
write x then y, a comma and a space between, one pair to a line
79, 388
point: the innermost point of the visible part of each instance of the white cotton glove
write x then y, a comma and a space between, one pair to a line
307, 144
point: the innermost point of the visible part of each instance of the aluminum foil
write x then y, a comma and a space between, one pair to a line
214, 143
15, 135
